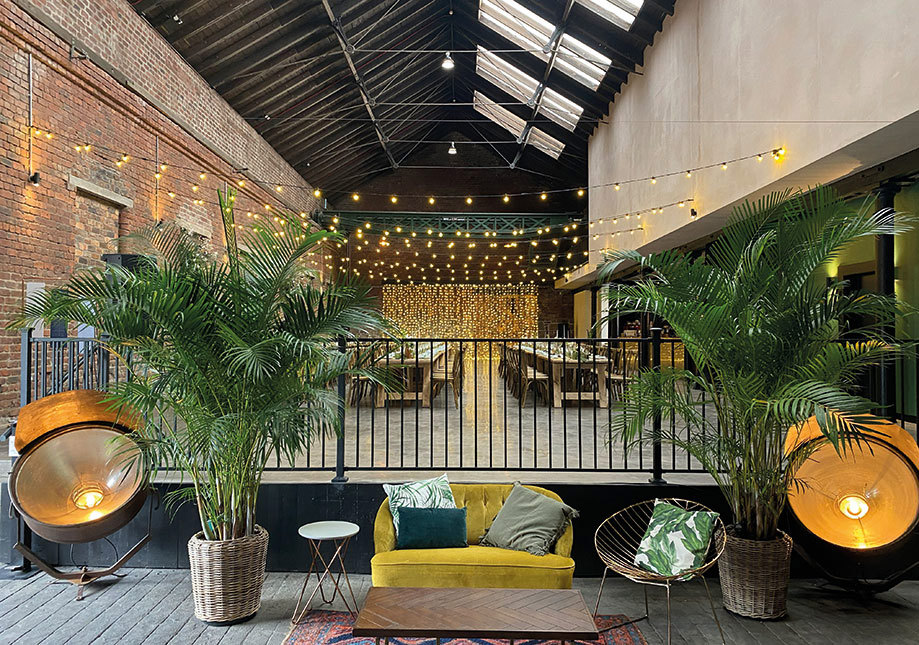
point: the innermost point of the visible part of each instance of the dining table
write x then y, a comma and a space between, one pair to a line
429, 358
559, 366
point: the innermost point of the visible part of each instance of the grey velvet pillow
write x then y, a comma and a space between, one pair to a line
528, 521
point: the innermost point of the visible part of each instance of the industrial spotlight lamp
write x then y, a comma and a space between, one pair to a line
859, 508
79, 476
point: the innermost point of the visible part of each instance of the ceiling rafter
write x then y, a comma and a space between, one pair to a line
553, 45
347, 48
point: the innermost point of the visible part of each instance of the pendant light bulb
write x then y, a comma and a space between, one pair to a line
447, 63
452, 149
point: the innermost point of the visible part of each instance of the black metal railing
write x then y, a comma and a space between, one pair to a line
466, 404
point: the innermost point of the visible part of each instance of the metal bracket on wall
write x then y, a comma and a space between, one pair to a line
76, 54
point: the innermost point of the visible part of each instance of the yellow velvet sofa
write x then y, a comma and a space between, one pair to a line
472, 566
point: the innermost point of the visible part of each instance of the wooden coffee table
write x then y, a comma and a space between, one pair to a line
410, 612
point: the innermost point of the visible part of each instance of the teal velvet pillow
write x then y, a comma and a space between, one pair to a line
431, 528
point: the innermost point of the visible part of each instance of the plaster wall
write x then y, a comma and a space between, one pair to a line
833, 81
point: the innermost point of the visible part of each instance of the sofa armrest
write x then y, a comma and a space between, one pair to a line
384, 531
564, 543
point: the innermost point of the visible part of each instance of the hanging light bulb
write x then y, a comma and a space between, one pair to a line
356, 197
469, 200
431, 201
394, 199
452, 149
724, 166
543, 196
506, 199
317, 193
447, 63
580, 192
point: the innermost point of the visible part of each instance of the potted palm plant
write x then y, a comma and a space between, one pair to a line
230, 359
774, 343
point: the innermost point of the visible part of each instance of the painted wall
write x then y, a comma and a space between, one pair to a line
582, 320
833, 81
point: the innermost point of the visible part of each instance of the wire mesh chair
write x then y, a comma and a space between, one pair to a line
617, 540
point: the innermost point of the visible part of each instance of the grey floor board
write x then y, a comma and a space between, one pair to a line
142, 598
32, 608
76, 615
169, 602
155, 607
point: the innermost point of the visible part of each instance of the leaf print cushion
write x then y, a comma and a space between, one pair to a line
676, 540
427, 493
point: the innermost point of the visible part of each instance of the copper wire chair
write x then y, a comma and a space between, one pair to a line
617, 540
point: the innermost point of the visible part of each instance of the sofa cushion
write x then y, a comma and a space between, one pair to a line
426, 493
528, 521
473, 566
431, 528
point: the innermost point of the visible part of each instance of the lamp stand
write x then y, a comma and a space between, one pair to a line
85, 575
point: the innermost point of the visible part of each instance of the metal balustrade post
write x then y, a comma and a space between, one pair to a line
340, 476
25, 397
104, 357
657, 466
25, 367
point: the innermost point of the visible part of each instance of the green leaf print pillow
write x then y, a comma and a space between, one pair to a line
427, 493
675, 540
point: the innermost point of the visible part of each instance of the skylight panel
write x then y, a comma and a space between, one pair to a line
515, 125
533, 33
524, 87
505, 118
621, 13
544, 143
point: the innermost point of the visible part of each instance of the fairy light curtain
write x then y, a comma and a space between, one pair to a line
462, 310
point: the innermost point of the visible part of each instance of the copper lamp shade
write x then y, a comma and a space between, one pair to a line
864, 499
79, 484
79, 477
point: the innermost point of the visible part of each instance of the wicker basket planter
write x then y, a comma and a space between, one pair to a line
227, 576
754, 576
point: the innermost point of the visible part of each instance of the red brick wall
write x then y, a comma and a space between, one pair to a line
131, 89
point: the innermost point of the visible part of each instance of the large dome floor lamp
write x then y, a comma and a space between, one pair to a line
855, 514
78, 477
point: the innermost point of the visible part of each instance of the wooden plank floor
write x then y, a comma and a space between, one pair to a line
154, 606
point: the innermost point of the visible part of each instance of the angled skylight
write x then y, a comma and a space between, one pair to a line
515, 125
619, 12
524, 87
533, 33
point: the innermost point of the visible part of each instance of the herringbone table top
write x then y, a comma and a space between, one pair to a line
549, 614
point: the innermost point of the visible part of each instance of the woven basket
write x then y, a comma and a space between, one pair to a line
227, 576
754, 576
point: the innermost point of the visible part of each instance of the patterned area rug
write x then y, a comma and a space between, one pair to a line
334, 628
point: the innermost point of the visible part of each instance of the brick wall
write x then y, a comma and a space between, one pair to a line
130, 90
555, 307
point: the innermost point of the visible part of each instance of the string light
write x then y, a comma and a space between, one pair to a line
355, 197
394, 199
506, 199
543, 196
777, 154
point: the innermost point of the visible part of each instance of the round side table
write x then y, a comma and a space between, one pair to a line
339, 534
